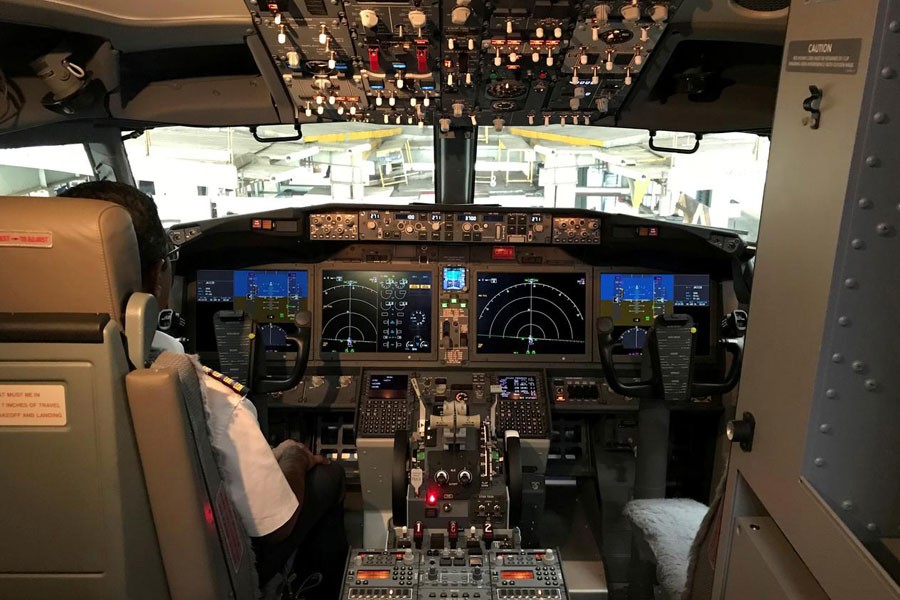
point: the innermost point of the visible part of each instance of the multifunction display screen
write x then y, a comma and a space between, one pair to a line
518, 387
376, 311
453, 279
388, 386
270, 298
633, 301
531, 313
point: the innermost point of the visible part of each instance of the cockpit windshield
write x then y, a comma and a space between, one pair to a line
202, 173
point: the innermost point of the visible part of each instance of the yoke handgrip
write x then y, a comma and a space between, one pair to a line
735, 347
607, 345
301, 340
514, 477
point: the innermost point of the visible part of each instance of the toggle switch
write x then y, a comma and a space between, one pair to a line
374, 59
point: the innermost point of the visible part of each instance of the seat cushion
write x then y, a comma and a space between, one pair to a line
669, 527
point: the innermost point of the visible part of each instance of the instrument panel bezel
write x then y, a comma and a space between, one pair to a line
431, 359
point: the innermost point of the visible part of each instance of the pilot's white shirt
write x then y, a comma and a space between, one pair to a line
256, 486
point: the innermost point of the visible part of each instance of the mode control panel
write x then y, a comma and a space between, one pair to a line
507, 228
334, 226
411, 225
576, 230
401, 226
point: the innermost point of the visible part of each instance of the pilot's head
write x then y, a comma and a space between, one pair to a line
153, 243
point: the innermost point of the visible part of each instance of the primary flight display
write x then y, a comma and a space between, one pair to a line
531, 313
633, 300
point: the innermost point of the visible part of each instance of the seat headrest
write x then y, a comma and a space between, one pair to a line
67, 255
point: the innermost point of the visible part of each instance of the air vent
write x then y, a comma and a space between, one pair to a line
764, 6
316, 8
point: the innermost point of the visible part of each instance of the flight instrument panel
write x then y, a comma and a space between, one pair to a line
386, 287
416, 314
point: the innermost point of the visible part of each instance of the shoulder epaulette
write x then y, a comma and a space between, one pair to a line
240, 388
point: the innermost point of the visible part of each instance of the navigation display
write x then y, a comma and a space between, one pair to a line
531, 313
376, 311
634, 300
271, 298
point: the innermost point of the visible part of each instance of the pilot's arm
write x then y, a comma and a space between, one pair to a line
255, 482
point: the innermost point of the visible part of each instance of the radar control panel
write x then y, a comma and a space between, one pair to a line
476, 571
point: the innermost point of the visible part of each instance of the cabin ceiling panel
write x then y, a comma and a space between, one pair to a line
134, 26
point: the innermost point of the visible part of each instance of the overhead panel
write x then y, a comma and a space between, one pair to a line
451, 63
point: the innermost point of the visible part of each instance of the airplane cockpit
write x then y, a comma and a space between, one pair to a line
492, 261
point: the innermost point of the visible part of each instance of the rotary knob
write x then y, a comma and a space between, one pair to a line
442, 477
465, 477
368, 18
549, 556
417, 18
460, 15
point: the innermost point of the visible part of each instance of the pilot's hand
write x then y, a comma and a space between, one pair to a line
294, 449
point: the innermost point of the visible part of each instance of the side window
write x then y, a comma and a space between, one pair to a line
43, 170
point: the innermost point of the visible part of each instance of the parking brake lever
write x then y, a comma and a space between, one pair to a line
268, 385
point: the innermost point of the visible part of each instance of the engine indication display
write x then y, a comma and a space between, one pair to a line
376, 311
632, 301
531, 313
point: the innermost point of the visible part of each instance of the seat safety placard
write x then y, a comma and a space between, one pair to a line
32, 405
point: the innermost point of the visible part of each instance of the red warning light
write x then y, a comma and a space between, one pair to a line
503, 253
431, 499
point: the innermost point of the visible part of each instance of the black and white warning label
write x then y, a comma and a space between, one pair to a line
838, 57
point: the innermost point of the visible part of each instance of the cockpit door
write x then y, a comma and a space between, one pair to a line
813, 509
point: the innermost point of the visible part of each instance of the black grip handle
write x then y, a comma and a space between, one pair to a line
692, 150
607, 345
514, 479
301, 340
399, 478
735, 347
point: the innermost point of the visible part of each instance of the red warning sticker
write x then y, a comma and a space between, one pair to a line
26, 239
231, 535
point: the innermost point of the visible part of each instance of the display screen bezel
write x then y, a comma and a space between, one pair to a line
714, 304
477, 272
348, 357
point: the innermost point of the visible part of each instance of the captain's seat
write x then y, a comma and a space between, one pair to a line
76, 518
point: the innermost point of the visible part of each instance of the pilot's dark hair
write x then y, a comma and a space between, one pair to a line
151, 236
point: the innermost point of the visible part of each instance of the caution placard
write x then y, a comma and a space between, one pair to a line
837, 57
32, 405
